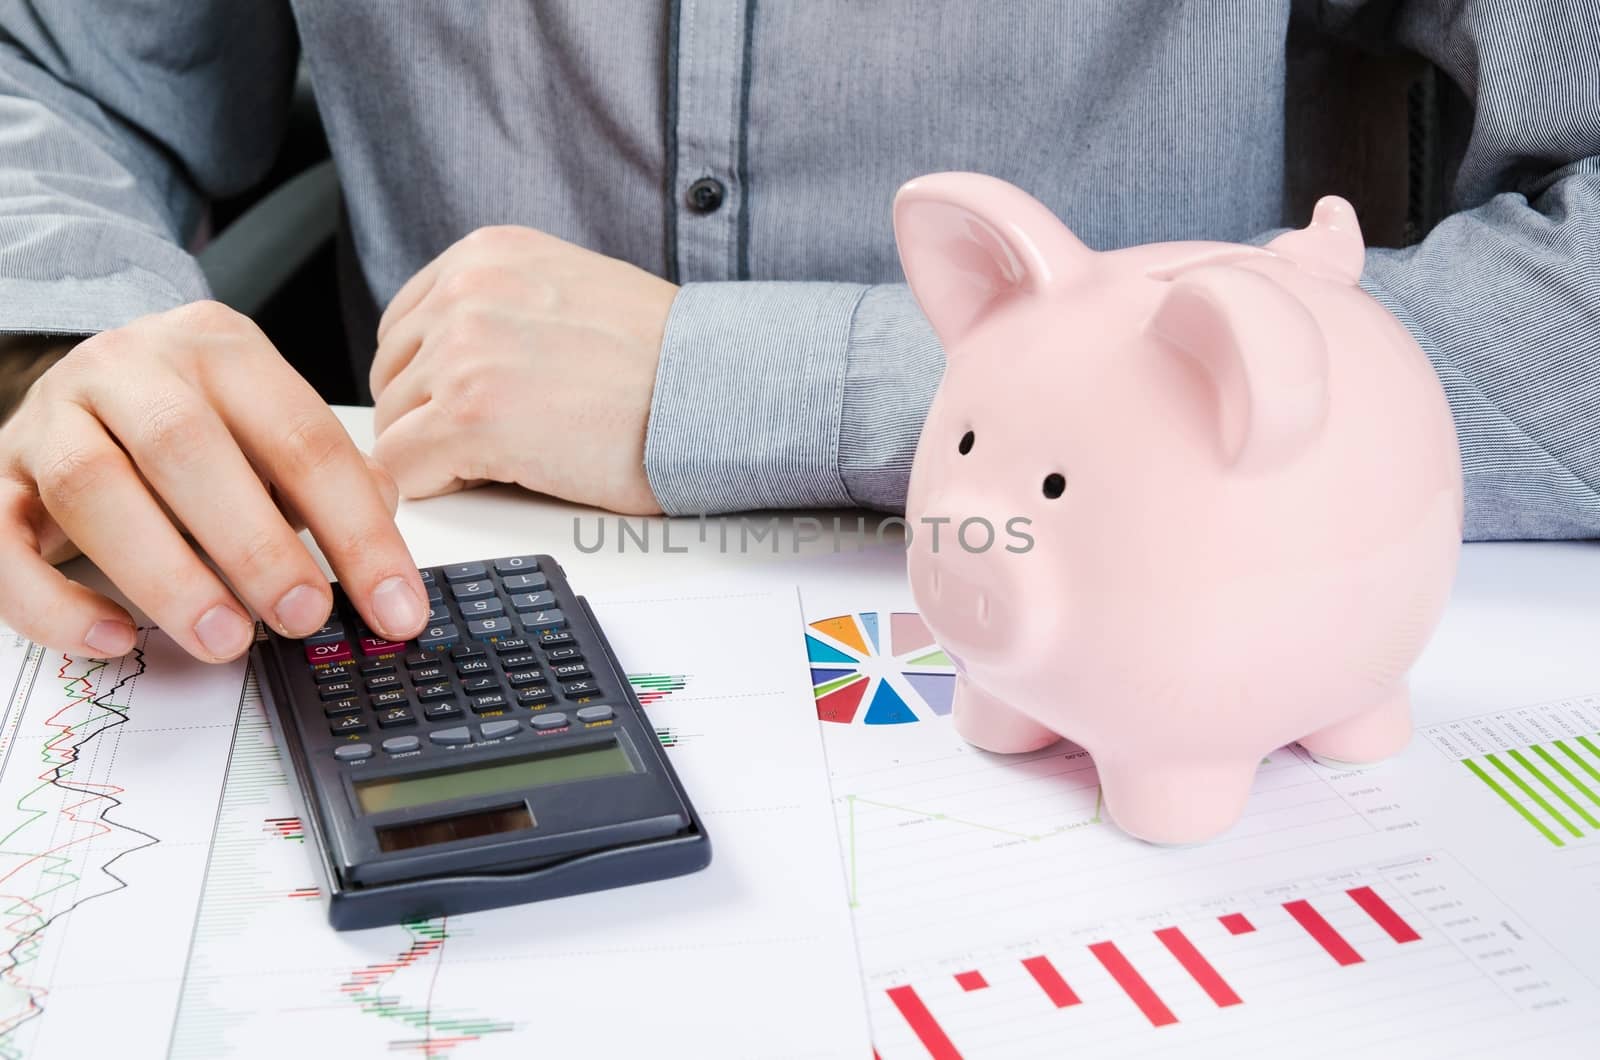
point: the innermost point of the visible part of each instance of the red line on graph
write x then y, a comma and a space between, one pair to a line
1237, 924
1133, 984
1216, 988
927, 1028
1384, 914
1323, 932
1055, 988
971, 980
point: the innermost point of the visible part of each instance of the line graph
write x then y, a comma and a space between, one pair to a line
105, 770
58, 813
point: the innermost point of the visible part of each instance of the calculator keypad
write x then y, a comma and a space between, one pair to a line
498, 658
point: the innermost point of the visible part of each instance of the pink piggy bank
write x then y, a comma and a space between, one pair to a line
1241, 488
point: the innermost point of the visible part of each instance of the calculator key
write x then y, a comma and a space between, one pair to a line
567, 671
525, 583
333, 672
337, 690
533, 601
584, 687
516, 564
338, 651
353, 752
371, 645
472, 590
392, 716
377, 668
545, 722
534, 695
479, 684
488, 627
570, 651
399, 745
554, 637
507, 645
438, 637
457, 735
331, 633
341, 706
347, 724
523, 678
598, 712
544, 620
425, 674
482, 608
422, 658
520, 661
487, 701
474, 666
437, 690
391, 698
467, 651
441, 711
435, 595
383, 682
438, 614
426, 577
463, 572
493, 730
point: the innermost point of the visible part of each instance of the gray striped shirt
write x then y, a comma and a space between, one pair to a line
796, 370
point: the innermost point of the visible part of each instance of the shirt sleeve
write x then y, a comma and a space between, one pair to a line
120, 121
1504, 294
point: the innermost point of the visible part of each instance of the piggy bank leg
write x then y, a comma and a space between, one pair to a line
1175, 802
1370, 736
986, 722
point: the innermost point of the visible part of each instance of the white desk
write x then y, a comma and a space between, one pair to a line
506, 520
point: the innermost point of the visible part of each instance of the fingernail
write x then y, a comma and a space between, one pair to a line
109, 639
397, 608
301, 611
224, 632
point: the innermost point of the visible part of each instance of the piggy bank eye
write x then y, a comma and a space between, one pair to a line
966, 443
1054, 485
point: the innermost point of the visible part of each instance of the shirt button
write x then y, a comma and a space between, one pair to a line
706, 195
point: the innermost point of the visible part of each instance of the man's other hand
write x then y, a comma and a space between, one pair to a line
190, 422
517, 357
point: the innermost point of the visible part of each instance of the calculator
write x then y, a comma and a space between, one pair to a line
501, 757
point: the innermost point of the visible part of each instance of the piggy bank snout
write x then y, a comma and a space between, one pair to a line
968, 588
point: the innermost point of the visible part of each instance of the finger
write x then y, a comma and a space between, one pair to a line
194, 465
43, 604
420, 453
409, 387
287, 431
89, 486
387, 489
412, 292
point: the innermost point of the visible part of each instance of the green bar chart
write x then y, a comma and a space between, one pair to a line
1542, 762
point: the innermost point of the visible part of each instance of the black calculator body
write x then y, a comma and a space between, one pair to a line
502, 757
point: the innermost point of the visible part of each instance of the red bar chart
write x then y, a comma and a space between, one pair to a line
1162, 975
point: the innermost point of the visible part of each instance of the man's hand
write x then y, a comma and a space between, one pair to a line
190, 421
516, 357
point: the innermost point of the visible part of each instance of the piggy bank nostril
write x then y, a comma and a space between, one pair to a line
983, 609
933, 580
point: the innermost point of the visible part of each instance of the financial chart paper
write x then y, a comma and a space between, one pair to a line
222, 948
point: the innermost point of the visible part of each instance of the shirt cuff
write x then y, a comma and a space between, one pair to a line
749, 396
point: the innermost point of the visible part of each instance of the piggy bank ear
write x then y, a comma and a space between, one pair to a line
1263, 354
970, 242
1331, 245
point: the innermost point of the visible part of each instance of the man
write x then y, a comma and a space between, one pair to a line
527, 184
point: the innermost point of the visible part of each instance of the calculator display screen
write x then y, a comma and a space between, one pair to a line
492, 778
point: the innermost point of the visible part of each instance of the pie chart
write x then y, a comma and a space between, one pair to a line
878, 668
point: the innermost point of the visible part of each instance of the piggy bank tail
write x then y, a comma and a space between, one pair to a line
1331, 245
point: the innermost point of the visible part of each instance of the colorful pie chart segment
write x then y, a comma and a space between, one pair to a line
878, 668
